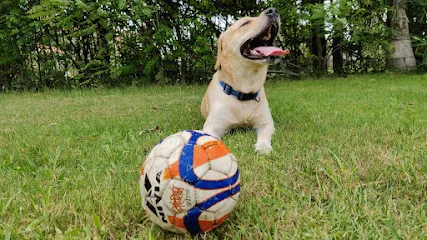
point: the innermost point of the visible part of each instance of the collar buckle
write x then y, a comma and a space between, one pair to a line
227, 89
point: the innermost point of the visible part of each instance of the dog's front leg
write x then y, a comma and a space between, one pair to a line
264, 133
216, 127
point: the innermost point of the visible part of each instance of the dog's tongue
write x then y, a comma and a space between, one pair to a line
269, 51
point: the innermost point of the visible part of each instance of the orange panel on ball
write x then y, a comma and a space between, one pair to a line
200, 157
216, 150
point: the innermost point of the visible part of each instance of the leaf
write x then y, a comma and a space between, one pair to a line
96, 220
84, 32
122, 4
7, 234
156, 128
109, 36
73, 233
92, 64
36, 11
342, 21
393, 230
58, 231
81, 5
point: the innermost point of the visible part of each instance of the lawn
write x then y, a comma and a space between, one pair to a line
349, 161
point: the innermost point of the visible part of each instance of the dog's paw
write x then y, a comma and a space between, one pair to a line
263, 148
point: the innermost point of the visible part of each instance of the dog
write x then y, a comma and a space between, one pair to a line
235, 96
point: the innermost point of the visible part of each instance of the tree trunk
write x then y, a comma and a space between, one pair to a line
38, 50
318, 49
85, 49
403, 56
318, 43
104, 42
337, 51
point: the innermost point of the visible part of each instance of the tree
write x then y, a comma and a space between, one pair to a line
89, 43
16, 40
338, 11
318, 40
402, 57
417, 15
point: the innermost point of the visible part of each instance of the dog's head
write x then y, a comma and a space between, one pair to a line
251, 39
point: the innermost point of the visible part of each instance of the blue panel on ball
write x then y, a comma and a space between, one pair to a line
218, 198
214, 184
195, 135
186, 170
191, 220
186, 164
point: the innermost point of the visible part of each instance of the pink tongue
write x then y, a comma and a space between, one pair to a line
269, 51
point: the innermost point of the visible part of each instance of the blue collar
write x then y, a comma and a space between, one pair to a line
239, 95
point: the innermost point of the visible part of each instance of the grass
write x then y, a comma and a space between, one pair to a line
349, 161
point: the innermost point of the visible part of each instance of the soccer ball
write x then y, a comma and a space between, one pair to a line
189, 182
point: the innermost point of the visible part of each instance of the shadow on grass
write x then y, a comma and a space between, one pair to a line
239, 130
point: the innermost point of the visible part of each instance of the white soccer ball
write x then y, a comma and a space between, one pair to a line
189, 182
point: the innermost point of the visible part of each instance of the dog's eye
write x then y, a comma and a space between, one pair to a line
245, 23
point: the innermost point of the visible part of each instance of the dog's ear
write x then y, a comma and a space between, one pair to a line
218, 57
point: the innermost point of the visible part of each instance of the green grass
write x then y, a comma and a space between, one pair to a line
349, 161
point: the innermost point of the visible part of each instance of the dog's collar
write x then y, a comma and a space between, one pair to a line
239, 95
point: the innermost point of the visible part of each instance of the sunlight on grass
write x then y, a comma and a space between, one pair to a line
349, 161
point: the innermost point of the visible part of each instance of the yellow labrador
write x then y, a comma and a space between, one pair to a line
235, 96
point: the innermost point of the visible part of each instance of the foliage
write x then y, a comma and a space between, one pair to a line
368, 36
64, 43
421, 50
417, 14
364, 37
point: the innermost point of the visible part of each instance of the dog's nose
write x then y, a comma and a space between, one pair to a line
271, 12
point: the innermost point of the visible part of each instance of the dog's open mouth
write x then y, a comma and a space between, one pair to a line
261, 47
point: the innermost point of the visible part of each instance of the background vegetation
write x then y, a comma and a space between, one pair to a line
71, 43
